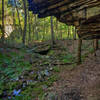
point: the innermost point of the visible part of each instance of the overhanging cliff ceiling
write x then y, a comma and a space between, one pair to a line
84, 14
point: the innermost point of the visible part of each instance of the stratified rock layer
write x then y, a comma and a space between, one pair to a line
84, 14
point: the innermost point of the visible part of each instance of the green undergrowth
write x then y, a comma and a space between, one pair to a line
39, 89
12, 65
89, 51
68, 58
56, 69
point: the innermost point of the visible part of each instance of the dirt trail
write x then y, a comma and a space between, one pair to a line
81, 83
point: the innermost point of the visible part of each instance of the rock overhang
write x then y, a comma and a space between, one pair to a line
84, 14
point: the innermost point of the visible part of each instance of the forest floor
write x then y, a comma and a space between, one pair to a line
27, 75
81, 82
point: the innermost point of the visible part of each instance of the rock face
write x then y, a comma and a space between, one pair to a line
84, 14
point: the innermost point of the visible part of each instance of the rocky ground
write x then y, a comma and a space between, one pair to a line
51, 75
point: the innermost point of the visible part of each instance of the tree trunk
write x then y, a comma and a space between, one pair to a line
61, 33
3, 26
56, 29
52, 32
25, 22
75, 34
95, 45
29, 34
79, 51
44, 30
18, 17
36, 32
13, 14
68, 32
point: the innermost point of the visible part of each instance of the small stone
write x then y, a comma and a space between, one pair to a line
24, 85
51, 68
46, 72
44, 87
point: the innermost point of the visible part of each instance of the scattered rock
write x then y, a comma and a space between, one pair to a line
44, 87
46, 72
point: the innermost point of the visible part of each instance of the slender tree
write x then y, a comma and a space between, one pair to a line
25, 22
29, 33
61, 32
36, 31
52, 32
18, 17
95, 45
75, 34
13, 15
79, 51
44, 30
56, 28
68, 32
3, 26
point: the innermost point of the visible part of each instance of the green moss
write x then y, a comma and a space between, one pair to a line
38, 90
51, 52
91, 50
67, 58
33, 92
56, 69
13, 54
